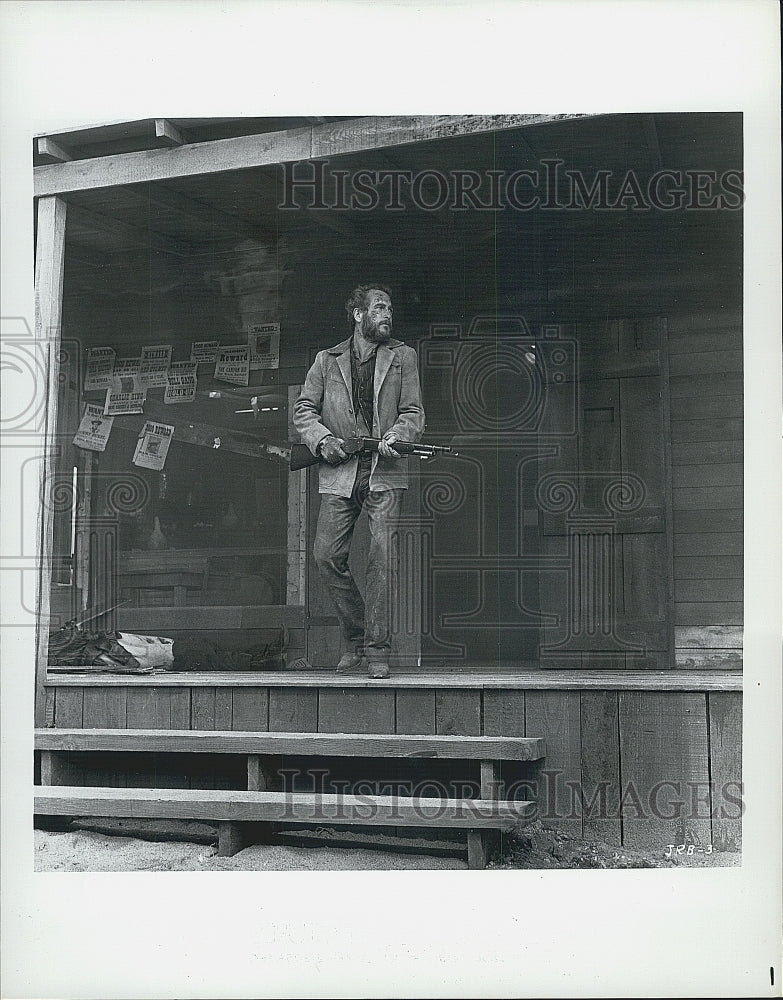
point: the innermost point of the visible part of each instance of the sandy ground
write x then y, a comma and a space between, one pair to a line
192, 848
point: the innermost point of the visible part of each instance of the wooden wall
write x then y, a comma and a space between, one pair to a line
706, 398
634, 768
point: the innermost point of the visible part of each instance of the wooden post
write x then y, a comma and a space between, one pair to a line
230, 839
490, 839
297, 520
49, 266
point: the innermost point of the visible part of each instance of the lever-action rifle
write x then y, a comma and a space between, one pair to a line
302, 457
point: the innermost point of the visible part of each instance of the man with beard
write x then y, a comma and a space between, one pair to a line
366, 386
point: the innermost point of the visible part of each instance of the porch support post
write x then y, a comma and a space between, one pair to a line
49, 264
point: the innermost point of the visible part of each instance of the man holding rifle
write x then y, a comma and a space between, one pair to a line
366, 386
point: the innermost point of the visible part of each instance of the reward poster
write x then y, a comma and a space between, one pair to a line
264, 342
153, 445
233, 364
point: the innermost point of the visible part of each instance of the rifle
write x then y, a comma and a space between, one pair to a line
302, 457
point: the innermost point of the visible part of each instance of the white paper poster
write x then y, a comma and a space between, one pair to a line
264, 342
204, 352
100, 365
233, 364
181, 384
126, 375
94, 429
153, 445
119, 402
154, 365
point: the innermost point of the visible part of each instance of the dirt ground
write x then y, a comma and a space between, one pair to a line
120, 845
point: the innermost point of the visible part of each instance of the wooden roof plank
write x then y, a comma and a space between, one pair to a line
357, 135
166, 131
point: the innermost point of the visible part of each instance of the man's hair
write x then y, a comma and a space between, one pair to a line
358, 299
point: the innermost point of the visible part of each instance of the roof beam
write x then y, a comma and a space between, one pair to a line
48, 147
241, 152
166, 131
84, 218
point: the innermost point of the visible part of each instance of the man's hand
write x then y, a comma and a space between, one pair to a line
332, 450
385, 445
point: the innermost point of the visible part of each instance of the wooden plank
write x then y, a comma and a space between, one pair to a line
355, 710
703, 543
312, 743
555, 717
301, 807
148, 708
690, 521
267, 148
105, 708
709, 568
458, 713
707, 430
709, 636
504, 713
708, 613
690, 476
415, 712
728, 339
257, 776
567, 680
49, 268
720, 384
224, 707
706, 363
708, 498
49, 709
725, 713
708, 590
600, 742
69, 708
250, 709
687, 324
708, 659
180, 708
706, 452
202, 708
296, 580
663, 762
292, 710
700, 407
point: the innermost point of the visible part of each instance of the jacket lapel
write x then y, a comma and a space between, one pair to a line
344, 364
383, 360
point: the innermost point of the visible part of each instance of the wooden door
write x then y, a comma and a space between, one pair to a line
606, 582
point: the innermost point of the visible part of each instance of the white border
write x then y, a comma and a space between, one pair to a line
682, 933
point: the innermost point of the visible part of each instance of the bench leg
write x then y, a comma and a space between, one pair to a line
231, 839
56, 769
477, 849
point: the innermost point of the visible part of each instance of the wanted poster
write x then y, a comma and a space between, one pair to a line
204, 352
233, 364
100, 366
94, 429
181, 382
264, 342
125, 377
119, 402
153, 445
154, 365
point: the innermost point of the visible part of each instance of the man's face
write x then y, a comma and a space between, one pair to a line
376, 322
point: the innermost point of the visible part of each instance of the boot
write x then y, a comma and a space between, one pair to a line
377, 669
349, 661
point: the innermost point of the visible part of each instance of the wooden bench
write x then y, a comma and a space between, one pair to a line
479, 818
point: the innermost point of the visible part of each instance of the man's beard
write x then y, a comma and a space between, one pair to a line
372, 331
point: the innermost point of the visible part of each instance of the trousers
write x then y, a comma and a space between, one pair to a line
364, 623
